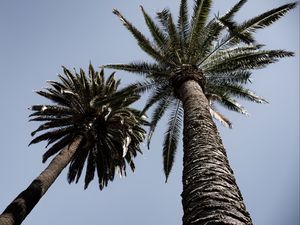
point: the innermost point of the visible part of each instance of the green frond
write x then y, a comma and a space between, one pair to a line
163, 18
199, 19
54, 96
241, 92
245, 61
174, 41
160, 91
172, 137
183, 23
235, 36
267, 18
231, 13
60, 122
207, 40
158, 35
42, 110
232, 104
237, 77
139, 68
143, 42
53, 134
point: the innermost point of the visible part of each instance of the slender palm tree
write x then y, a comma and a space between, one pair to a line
199, 62
90, 121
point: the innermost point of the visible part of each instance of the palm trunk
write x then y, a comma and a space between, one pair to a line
17, 211
210, 193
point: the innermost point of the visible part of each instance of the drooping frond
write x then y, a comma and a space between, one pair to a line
231, 104
162, 105
157, 94
218, 116
172, 137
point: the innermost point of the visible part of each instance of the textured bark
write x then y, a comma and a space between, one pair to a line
17, 211
210, 193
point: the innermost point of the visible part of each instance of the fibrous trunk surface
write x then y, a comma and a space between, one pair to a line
210, 193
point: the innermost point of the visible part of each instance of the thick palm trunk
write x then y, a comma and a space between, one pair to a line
17, 211
210, 193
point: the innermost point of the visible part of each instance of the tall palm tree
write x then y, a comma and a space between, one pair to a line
90, 121
199, 62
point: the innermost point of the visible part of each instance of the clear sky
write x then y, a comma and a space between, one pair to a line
38, 36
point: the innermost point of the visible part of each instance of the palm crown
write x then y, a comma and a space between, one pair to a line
90, 107
219, 54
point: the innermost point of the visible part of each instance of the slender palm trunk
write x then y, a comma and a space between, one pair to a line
17, 211
210, 193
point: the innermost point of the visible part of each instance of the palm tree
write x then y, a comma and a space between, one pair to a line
199, 62
90, 121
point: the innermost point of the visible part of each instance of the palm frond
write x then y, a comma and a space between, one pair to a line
159, 92
240, 91
172, 137
222, 119
143, 42
90, 169
174, 40
143, 68
54, 134
199, 19
183, 24
158, 35
163, 18
267, 18
245, 61
231, 13
231, 104
162, 105
237, 77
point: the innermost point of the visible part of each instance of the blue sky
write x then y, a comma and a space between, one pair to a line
37, 37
